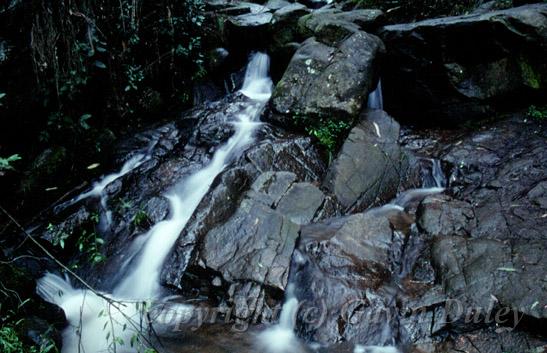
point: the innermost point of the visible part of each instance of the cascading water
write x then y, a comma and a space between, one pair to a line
281, 338
92, 316
375, 98
99, 187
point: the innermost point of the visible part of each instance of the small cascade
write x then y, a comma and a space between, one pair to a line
98, 190
375, 98
257, 84
281, 338
433, 182
87, 311
432, 173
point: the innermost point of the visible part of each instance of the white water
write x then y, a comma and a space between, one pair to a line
99, 187
415, 194
375, 98
281, 338
89, 314
257, 84
374, 349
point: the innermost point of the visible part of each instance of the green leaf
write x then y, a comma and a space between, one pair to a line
5, 163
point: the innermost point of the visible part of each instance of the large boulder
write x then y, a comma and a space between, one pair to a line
285, 38
327, 81
370, 166
451, 69
330, 26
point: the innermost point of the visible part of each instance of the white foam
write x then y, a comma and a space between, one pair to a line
92, 317
281, 338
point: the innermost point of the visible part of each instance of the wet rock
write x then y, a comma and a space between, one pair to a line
482, 274
211, 339
285, 39
332, 25
301, 202
442, 216
251, 245
54, 232
500, 171
538, 195
253, 173
326, 81
341, 266
295, 154
459, 68
277, 4
233, 8
370, 165
254, 245
492, 340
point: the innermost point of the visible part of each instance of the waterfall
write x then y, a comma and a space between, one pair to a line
281, 338
375, 98
88, 313
257, 84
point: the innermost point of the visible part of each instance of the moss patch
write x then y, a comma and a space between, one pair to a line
529, 75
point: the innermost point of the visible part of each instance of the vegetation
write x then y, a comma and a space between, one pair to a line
537, 113
16, 313
11, 342
329, 133
6, 163
83, 73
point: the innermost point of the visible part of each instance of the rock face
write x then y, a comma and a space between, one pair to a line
252, 249
340, 267
451, 69
442, 216
327, 81
486, 240
370, 165
257, 242
500, 171
482, 273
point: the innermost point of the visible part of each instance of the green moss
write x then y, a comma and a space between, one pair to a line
537, 113
529, 75
329, 133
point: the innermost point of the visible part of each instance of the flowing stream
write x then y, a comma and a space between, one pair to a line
115, 321
103, 322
